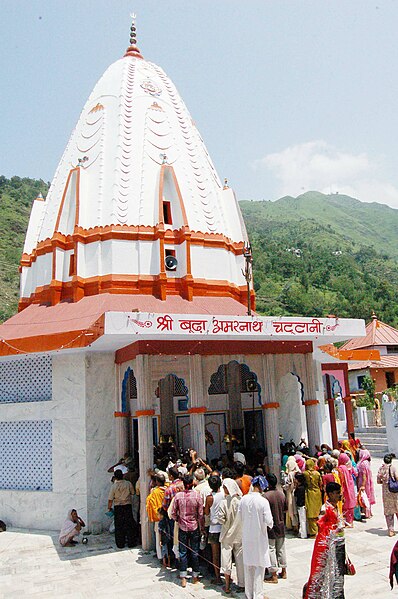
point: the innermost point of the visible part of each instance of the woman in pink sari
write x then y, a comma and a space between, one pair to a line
365, 479
347, 483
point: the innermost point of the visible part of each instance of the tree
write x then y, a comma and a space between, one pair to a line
369, 386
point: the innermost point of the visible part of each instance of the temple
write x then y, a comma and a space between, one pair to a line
137, 322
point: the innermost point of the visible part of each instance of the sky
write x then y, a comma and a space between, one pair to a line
289, 95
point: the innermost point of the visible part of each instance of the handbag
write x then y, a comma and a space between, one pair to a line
392, 483
349, 568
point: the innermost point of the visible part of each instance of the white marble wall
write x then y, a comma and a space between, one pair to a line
291, 412
100, 434
391, 415
47, 509
84, 444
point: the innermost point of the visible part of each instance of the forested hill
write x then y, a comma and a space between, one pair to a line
313, 255
16, 198
324, 254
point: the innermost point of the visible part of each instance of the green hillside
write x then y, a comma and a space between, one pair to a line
16, 197
347, 263
374, 225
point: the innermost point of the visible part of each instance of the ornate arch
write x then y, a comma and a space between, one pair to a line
248, 380
129, 388
300, 385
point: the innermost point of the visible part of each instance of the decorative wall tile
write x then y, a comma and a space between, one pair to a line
26, 455
27, 379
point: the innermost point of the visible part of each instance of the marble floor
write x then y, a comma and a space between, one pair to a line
32, 565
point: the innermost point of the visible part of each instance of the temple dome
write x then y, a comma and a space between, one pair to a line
134, 185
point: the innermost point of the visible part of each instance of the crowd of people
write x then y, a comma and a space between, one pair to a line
208, 516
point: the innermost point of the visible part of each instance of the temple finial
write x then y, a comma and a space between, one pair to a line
133, 30
133, 50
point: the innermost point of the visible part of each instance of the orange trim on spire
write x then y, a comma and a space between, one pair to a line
130, 233
157, 285
73, 170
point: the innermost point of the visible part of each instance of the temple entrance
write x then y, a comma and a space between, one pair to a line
235, 393
134, 432
254, 430
173, 400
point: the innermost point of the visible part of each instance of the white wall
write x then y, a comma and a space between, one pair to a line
83, 445
100, 433
47, 509
291, 412
392, 431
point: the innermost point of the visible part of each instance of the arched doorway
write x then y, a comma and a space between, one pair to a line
234, 417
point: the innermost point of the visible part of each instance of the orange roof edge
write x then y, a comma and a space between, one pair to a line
53, 342
346, 355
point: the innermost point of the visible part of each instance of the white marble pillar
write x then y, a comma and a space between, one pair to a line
144, 414
123, 422
270, 413
198, 407
312, 408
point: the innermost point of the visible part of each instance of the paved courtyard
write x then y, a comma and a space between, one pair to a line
33, 565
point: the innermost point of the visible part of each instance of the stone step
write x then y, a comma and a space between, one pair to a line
373, 438
374, 429
376, 447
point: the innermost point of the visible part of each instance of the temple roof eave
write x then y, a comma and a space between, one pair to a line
109, 322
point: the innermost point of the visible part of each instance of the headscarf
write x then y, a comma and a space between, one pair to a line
239, 457
67, 526
261, 482
335, 454
321, 462
232, 486
300, 461
344, 460
291, 465
346, 446
310, 465
364, 455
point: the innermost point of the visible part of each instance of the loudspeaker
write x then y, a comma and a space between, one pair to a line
251, 385
171, 262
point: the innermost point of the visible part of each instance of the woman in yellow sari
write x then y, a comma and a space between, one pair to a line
313, 496
345, 445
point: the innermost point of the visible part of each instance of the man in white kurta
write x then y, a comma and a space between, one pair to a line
256, 518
